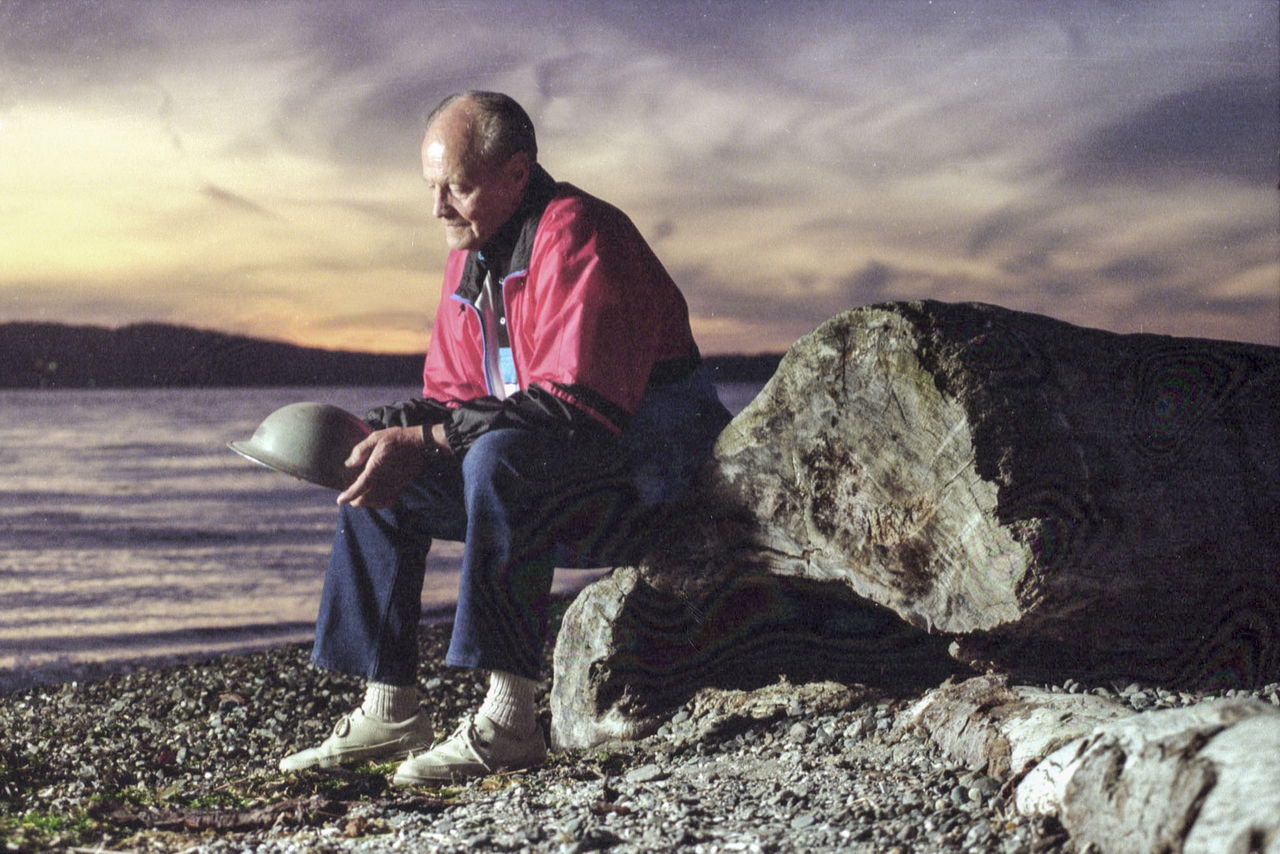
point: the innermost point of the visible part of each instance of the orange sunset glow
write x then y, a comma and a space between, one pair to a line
252, 167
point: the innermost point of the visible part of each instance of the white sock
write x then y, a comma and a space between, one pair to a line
510, 702
390, 703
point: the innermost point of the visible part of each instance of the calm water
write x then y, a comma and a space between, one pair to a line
128, 530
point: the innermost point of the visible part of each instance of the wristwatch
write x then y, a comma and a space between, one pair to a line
431, 452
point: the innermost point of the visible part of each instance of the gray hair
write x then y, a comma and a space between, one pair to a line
503, 128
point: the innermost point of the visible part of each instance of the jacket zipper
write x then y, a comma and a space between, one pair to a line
484, 343
510, 322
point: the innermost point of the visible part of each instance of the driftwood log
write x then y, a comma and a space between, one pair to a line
1048, 500
1198, 780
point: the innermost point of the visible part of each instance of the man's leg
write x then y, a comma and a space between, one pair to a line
368, 615
369, 612
532, 503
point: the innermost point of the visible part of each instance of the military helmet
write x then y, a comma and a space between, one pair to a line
309, 441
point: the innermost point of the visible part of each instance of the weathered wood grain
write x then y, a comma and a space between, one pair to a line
1054, 501
1006, 731
629, 654
1199, 780
1070, 501
1202, 778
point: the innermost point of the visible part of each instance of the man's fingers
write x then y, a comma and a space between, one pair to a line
380, 484
360, 456
360, 453
390, 458
349, 495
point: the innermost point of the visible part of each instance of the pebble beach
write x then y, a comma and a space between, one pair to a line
183, 759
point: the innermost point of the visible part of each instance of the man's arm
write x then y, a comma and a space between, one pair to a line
533, 409
408, 413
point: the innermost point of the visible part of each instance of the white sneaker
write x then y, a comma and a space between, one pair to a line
477, 748
358, 738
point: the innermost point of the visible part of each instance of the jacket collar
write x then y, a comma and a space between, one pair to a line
509, 249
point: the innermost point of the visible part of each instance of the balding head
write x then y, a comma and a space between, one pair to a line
497, 125
476, 166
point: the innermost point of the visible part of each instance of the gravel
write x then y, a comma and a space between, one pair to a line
184, 759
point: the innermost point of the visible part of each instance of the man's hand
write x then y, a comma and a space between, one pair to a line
391, 458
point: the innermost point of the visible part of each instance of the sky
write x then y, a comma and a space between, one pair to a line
252, 166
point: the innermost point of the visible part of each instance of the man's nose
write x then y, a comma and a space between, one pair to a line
440, 207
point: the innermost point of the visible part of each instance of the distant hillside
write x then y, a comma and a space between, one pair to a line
51, 355
149, 355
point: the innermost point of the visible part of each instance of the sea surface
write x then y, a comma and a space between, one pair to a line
129, 532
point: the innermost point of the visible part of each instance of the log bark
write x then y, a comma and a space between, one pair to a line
1056, 501
629, 654
1199, 780
1204, 778
1006, 731
1071, 502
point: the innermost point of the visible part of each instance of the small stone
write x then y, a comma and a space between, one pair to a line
650, 773
978, 834
802, 821
987, 785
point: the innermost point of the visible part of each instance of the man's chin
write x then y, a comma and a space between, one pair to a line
462, 239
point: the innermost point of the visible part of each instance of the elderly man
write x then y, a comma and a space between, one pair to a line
564, 405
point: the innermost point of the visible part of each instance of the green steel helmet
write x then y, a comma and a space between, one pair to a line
309, 441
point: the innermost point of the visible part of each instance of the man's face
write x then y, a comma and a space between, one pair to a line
474, 199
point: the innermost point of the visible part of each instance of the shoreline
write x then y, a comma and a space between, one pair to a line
38, 668
182, 758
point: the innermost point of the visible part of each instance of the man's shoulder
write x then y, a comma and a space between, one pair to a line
571, 206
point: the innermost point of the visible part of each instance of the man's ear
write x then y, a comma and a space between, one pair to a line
517, 169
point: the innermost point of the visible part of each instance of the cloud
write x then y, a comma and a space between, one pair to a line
869, 284
1228, 128
798, 303
165, 113
789, 160
402, 321
711, 295
235, 201
93, 41
1136, 268
661, 230
398, 216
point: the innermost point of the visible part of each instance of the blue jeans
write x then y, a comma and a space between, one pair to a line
523, 504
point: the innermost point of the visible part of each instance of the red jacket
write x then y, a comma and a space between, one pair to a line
589, 316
